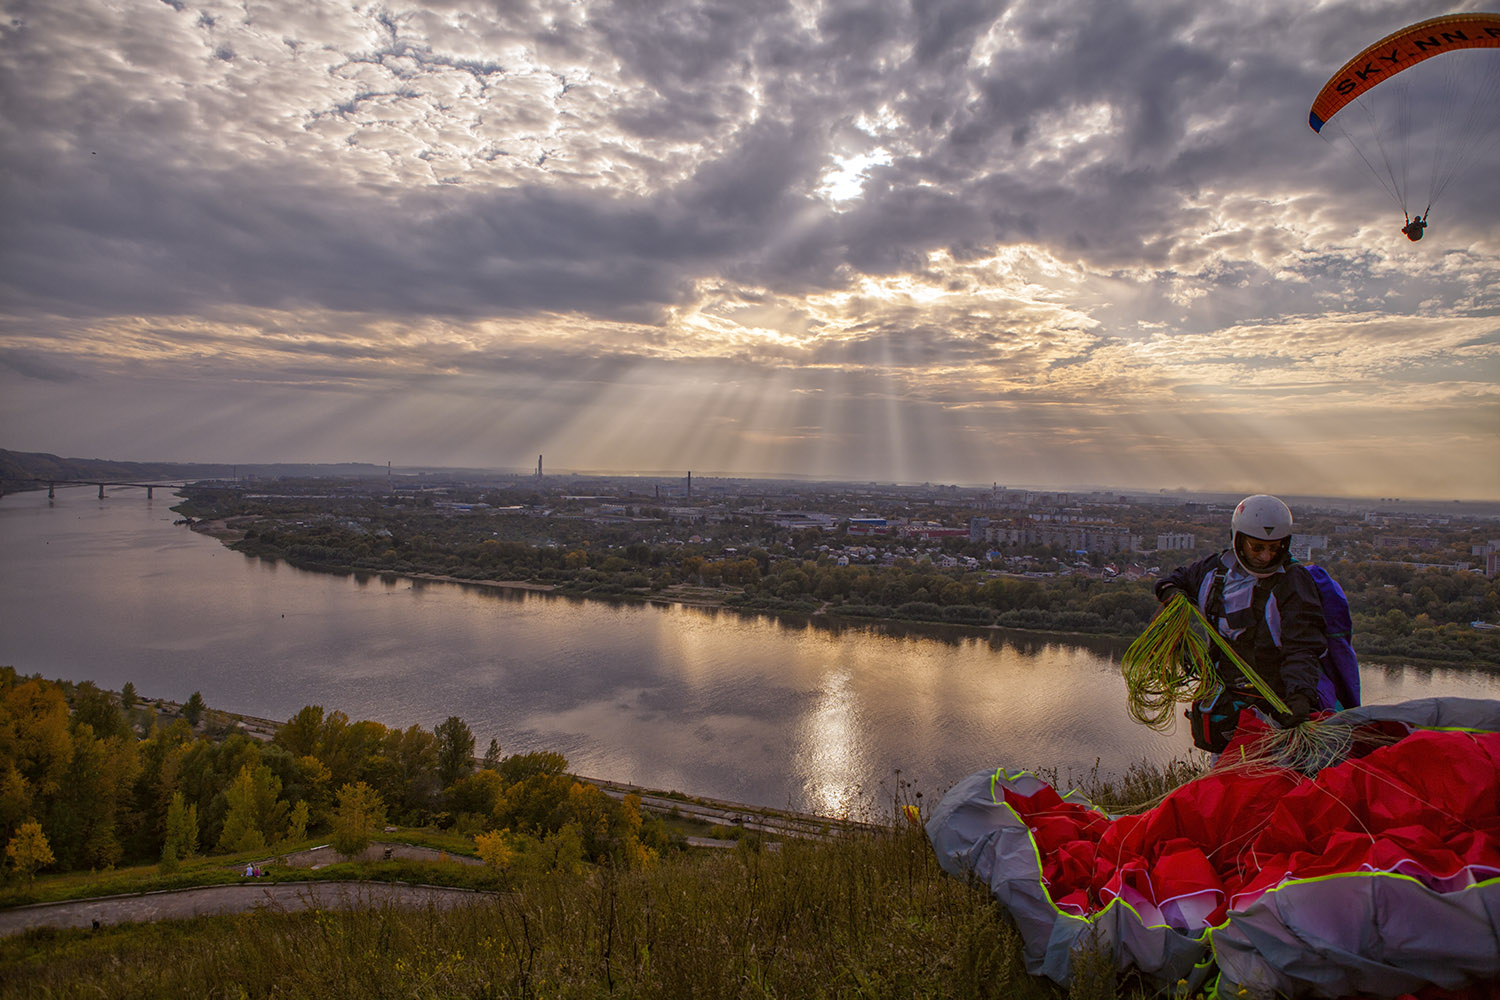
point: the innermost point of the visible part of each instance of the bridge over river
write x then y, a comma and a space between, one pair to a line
53, 484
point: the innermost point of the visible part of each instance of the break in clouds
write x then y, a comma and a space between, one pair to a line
963, 241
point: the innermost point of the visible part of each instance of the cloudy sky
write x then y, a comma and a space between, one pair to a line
1037, 242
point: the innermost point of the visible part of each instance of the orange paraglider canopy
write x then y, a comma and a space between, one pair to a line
1399, 50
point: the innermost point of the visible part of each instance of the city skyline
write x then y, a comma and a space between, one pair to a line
1050, 243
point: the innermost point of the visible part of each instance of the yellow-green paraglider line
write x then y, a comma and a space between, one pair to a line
1170, 662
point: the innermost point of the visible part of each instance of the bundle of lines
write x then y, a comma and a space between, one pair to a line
1172, 661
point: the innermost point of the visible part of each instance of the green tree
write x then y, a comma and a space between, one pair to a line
205, 773
359, 814
475, 795
349, 748
538, 805
28, 850
96, 709
302, 732
562, 850
15, 797
409, 762
310, 782
182, 826
160, 754
455, 750
296, 823
256, 813
182, 833
240, 831
520, 766
88, 817
492, 756
128, 697
192, 711
1396, 623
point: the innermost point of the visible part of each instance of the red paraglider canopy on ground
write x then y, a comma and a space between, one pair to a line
1426, 806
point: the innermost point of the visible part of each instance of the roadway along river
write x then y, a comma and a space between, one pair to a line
821, 719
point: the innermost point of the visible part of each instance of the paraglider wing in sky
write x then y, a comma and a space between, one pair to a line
1417, 106
1398, 51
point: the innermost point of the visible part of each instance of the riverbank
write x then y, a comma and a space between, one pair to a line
665, 802
231, 531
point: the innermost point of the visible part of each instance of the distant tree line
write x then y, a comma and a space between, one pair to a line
791, 576
1400, 610
1421, 614
89, 780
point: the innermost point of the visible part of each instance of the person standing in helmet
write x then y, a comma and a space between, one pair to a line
1268, 608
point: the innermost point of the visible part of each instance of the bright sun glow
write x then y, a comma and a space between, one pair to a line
846, 180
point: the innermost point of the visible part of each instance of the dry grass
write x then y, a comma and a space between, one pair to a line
870, 916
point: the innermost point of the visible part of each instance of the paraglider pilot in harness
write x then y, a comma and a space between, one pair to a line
1413, 228
1268, 607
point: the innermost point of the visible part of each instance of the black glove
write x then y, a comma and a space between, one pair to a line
1165, 594
1299, 708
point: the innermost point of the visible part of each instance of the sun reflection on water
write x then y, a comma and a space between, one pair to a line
832, 753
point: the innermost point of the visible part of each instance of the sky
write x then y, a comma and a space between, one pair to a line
1036, 242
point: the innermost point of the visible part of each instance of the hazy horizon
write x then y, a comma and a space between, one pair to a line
1047, 242
708, 475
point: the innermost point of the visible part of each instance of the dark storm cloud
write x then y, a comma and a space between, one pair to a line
677, 48
163, 243
1087, 128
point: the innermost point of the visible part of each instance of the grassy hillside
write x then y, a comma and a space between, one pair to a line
865, 914
866, 917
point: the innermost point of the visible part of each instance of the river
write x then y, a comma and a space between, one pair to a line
822, 718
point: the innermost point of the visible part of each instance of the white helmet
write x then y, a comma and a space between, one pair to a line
1263, 517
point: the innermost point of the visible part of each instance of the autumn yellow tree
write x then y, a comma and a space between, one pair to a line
494, 849
359, 814
28, 850
35, 744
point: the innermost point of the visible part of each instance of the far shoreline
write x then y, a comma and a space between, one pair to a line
228, 535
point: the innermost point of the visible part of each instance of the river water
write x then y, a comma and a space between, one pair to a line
827, 719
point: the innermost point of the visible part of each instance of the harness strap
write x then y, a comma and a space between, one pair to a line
1244, 644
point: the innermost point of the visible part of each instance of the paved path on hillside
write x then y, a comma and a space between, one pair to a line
182, 904
781, 822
